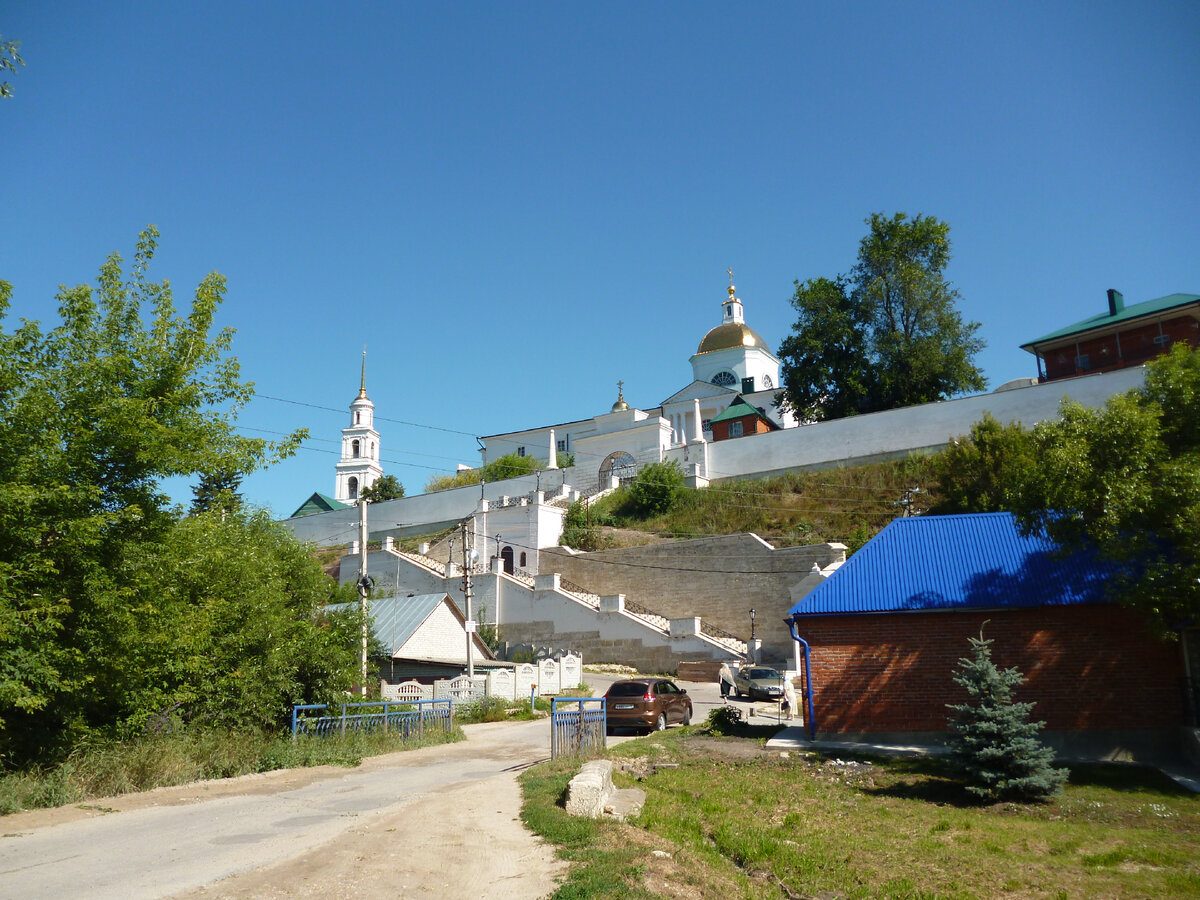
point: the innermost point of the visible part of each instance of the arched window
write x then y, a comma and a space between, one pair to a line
724, 379
352, 485
358, 417
507, 555
372, 449
354, 449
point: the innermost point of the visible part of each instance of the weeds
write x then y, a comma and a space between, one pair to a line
110, 768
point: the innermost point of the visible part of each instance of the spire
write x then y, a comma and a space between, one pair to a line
620, 404
362, 388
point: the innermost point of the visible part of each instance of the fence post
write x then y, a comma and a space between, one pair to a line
342, 727
385, 717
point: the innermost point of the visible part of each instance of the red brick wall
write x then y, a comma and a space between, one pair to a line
1087, 667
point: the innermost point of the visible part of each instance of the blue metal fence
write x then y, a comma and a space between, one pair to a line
578, 726
411, 718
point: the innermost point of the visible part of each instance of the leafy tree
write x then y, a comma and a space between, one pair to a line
984, 472
94, 414
1124, 481
887, 336
993, 740
579, 531
508, 466
385, 487
656, 488
827, 374
10, 58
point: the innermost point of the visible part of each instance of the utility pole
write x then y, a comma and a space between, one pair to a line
470, 624
364, 587
908, 501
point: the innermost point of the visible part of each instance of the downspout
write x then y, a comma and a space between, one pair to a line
809, 717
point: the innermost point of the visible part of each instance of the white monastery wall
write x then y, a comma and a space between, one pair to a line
898, 432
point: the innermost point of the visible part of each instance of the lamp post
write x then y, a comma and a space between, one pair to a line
498, 548
753, 655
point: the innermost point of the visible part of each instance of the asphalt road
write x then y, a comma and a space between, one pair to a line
403, 816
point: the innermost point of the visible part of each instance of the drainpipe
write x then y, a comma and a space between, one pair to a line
809, 717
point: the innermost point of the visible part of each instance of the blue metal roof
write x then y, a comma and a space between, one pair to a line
978, 561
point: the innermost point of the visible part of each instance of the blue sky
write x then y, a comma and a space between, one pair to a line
515, 205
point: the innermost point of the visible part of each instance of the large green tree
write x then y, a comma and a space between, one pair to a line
385, 487
94, 415
1124, 481
886, 336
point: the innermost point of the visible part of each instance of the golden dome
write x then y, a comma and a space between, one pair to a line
728, 336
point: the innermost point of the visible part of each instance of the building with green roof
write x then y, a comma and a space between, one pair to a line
1124, 336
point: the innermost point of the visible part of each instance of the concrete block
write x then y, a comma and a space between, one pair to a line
591, 790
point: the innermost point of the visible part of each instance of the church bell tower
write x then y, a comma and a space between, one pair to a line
359, 466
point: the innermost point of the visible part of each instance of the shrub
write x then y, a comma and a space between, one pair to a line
656, 488
993, 742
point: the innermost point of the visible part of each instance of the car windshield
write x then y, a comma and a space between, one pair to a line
764, 673
628, 689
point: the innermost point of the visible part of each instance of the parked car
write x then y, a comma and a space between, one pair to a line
649, 703
758, 683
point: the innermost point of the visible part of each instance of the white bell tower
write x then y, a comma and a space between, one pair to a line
359, 466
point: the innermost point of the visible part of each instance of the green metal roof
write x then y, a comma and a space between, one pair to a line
318, 503
737, 409
1129, 313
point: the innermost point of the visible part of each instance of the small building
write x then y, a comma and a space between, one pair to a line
887, 628
739, 419
1124, 336
425, 638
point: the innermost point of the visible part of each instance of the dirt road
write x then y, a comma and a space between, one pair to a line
437, 822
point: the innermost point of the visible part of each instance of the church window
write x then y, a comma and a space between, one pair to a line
372, 449
352, 485
562, 445
523, 559
724, 379
735, 429
767, 383
520, 451
706, 425
354, 449
358, 417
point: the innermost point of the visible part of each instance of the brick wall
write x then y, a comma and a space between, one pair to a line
1089, 668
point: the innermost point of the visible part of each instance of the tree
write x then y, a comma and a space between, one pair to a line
385, 487
10, 58
656, 488
827, 374
993, 740
887, 336
1124, 482
984, 471
217, 491
94, 414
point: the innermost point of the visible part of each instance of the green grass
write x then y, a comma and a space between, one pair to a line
741, 821
108, 769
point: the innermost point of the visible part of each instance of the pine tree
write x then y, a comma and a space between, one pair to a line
993, 741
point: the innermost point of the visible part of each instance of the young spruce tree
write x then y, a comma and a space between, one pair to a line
993, 740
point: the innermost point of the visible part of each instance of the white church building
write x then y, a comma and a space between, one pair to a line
731, 360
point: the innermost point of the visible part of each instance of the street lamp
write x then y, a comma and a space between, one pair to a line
751, 625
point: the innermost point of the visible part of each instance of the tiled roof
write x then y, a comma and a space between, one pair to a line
1136, 311
979, 561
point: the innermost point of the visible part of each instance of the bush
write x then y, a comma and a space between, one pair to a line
993, 742
656, 488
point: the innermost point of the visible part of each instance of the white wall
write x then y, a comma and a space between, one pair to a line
898, 432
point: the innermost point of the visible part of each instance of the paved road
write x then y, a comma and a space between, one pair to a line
440, 821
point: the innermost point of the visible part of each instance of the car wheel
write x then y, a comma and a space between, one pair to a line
661, 724
687, 716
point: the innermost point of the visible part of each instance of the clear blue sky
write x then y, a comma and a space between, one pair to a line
514, 205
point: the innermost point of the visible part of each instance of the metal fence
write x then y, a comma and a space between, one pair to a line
410, 718
578, 726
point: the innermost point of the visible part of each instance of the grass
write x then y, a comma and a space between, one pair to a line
108, 769
735, 820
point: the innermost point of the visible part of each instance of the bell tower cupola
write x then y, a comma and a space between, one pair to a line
359, 466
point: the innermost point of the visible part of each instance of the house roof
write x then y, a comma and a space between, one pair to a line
318, 503
1104, 320
396, 619
978, 561
738, 408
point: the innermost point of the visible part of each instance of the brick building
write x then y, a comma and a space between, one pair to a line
887, 629
1124, 336
740, 419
